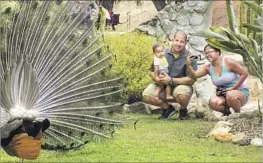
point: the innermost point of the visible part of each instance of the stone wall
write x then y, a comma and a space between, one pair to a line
189, 16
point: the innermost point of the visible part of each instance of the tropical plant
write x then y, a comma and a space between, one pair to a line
244, 38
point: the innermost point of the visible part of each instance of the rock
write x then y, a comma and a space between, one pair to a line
182, 20
162, 15
177, 6
196, 43
214, 116
126, 108
172, 16
223, 137
201, 112
167, 26
139, 107
204, 88
153, 109
201, 7
221, 127
233, 116
240, 139
196, 19
256, 142
192, 3
249, 114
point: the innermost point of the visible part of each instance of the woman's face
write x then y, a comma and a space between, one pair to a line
211, 54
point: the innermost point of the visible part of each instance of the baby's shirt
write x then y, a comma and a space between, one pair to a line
162, 63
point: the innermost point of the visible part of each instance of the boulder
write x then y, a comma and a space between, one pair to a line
249, 114
139, 107
240, 139
221, 127
256, 142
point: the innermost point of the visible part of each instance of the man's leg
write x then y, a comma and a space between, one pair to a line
182, 94
149, 98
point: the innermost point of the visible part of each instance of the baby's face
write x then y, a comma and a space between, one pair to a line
159, 52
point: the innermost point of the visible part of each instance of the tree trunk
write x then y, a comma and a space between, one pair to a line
159, 4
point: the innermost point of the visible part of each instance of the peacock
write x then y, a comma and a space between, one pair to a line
54, 76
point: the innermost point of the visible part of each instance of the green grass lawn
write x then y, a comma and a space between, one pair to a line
155, 141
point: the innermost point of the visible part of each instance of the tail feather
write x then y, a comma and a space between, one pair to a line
52, 69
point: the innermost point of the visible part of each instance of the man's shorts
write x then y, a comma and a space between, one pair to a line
150, 90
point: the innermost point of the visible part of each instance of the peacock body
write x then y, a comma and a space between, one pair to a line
52, 68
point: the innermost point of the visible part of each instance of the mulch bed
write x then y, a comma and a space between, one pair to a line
252, 128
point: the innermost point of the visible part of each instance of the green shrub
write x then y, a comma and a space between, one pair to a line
132, 58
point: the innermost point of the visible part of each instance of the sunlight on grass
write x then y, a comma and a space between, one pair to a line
155, 141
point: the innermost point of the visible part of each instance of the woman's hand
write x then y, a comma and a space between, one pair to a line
229, 89
188, 61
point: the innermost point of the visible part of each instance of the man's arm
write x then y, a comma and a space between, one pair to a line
177, 81
183, 81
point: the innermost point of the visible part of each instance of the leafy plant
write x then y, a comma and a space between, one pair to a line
132, 59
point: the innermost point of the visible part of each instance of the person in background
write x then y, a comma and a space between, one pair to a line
92, 14
103, 16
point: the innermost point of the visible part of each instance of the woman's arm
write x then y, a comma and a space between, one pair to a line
237, 68
198, 73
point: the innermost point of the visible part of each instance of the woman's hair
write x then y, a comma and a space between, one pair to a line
155, 46
212, 47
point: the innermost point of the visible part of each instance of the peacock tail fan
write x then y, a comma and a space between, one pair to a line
54, 67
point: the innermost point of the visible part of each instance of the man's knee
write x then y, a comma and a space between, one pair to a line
150, 90
183, 90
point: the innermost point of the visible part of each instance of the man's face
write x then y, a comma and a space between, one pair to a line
179, 43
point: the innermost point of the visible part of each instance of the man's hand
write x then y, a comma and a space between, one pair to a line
165, 79
157, 79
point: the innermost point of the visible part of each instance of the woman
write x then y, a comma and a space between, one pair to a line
228, 76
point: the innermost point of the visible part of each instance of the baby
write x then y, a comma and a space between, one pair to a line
160, 67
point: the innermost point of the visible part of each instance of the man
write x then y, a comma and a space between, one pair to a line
177, 78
